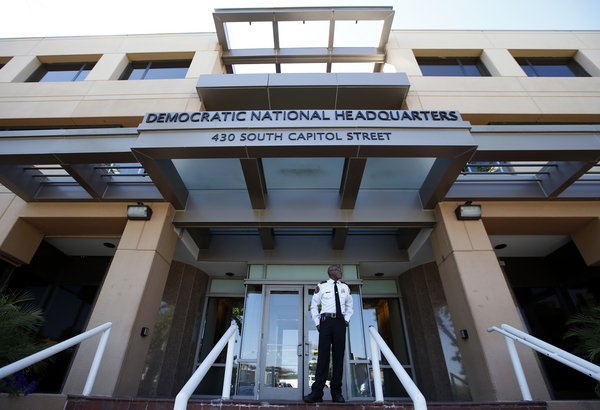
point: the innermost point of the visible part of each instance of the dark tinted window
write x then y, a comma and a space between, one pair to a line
61, 72
154, 70
551, 67
452, 66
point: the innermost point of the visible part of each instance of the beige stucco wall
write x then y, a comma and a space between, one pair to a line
101, 98
509, 95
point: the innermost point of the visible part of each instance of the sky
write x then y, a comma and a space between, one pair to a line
50, 18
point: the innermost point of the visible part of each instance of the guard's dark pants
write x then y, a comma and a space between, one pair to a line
332, 333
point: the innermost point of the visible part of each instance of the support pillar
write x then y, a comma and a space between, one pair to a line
18, 239
587, 239
130, 298
479, 297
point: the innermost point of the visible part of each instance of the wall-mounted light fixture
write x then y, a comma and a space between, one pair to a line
139, 212
468, 212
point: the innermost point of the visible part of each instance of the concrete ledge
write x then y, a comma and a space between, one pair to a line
34, 401
573, 405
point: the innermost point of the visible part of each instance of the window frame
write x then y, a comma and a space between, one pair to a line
45, 68
461, 62
148, 66
532, 62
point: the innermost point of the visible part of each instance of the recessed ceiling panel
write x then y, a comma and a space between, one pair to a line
396, 173
212, 173
527, 245
303, 173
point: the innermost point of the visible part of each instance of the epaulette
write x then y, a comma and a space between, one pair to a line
317, 288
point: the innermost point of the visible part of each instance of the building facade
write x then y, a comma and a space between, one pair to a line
259, 181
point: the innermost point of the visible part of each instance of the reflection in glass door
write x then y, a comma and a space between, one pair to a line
282, 344
290, 341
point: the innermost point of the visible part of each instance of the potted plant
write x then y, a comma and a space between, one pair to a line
585, 326
18, 323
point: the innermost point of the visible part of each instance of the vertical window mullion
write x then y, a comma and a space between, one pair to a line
532, 68
79, 72
146, 70
462, 67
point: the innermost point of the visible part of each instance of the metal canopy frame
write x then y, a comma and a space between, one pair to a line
569, 152
279, 55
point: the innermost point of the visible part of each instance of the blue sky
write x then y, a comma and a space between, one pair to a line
40, 18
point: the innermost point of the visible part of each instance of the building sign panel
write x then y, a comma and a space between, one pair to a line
299, 127
199, 118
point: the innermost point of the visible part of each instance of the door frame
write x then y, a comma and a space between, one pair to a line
268, 393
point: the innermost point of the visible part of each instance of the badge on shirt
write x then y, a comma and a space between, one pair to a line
343, 290
317, 290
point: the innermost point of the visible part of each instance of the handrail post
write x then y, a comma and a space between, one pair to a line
228, 368
186, 392
89, 384
376, 370
406, 381
516, 362
57, 348
511, 334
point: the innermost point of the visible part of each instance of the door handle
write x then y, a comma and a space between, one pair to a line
307, 349
299, 351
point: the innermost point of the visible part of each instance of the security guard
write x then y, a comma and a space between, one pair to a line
336, 310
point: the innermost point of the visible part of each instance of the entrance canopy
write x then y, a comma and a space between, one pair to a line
321, 172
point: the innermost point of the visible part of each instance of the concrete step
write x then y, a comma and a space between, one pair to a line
137, 403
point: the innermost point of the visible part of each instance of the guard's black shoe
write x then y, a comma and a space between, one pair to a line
312, 398
338, 399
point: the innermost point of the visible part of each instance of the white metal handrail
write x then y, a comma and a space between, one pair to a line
46, 353
511, 334
410, 386
186, 392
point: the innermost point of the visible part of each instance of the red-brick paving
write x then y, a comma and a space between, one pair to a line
137, 403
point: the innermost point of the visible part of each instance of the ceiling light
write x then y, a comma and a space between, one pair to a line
229, 274
379, 274
500, 246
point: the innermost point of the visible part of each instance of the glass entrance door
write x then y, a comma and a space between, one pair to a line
282, 344
290, 343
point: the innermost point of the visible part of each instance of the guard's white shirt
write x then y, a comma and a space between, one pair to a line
325, 296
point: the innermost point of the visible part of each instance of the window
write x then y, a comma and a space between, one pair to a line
156, 70
61, 72
452, 66
551, 67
